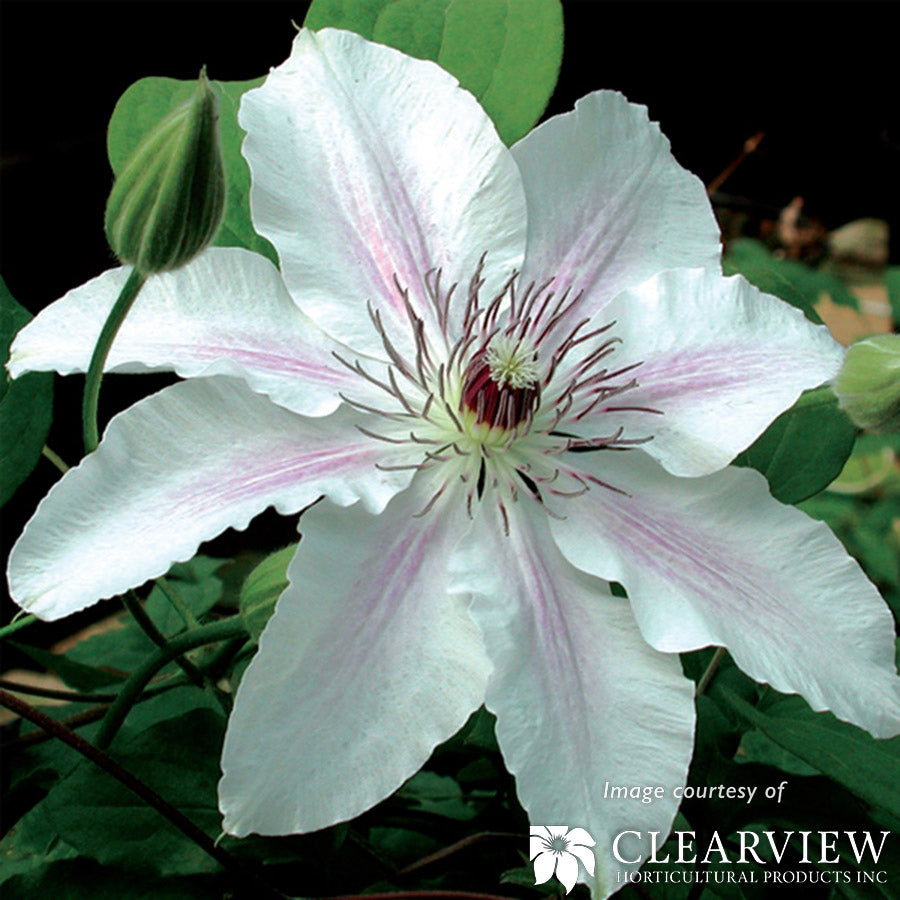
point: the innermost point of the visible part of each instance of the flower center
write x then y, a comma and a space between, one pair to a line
497, 395
501, 383
559, 844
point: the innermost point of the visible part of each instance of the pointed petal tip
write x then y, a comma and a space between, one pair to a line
567, 870
580, 836
586, 856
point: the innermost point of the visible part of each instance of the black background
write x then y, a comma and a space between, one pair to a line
820, 79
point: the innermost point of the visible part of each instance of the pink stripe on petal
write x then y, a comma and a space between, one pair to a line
715, 560
580, 697
715, 358
227, 312
366, 640
243, 353
618, 207
401, 171
177, 469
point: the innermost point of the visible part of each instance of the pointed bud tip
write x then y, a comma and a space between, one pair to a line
169, 199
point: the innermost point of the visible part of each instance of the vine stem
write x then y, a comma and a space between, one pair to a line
55, 458
707, 676
455, 848
98, 359
54, 694
132, 603
108, 333
70, 723
146, 793
133, 687
17, 624
749, 147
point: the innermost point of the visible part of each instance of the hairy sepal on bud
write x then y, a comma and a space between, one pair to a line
168, 201
868, 385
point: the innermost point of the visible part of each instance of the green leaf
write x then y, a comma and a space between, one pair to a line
892, 281
31, 843
197, 586
791, 281
79, 675
83, 879
116, 651
26, 405
523, 877
757, 748
506, 52
804, 449
867, 767
166, 706
35, 769
477, 734
101, 819
401, 846
439, 795
151, 99
262, 588
873, 469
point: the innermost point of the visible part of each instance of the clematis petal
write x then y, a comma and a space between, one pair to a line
537, 843
718, 360
618, 207
365, 667
580, 836
715, 560
580, 696
544, 867
370, 166
174, 470
227, 312
567, 870
584, 854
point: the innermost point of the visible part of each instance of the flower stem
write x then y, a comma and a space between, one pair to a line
54, 694
55, 458
98, 360
133, 604
147, 794
19, 622
464, 844
749, 147
33, 738
710, 672
85, 717
131, 690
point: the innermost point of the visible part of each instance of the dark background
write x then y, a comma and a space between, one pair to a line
818, 77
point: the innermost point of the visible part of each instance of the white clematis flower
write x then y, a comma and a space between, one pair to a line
556, 851
493, 448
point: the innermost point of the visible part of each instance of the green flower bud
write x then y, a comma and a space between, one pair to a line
868, 385
168, 201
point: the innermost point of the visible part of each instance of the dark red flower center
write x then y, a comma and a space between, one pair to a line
495, 402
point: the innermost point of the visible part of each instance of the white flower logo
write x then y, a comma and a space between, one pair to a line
556, 851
